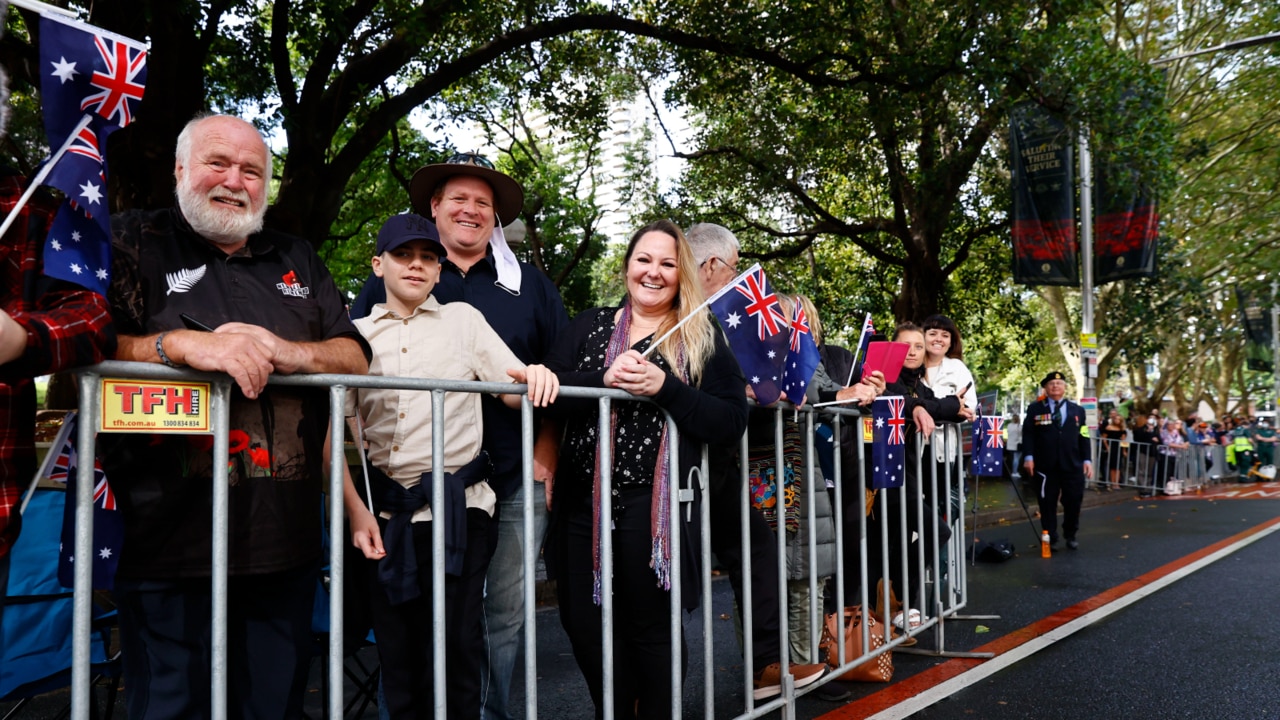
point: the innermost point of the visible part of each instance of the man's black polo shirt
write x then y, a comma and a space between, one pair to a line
162, 268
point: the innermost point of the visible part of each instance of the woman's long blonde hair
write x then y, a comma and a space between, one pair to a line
697, 333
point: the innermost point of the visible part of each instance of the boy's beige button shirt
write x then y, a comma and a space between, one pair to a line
447, 342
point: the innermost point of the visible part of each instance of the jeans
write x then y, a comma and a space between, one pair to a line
504, 599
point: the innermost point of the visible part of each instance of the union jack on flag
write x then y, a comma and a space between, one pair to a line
802, 358
897, 423
85, 69
108, 520
988, 447
762, 351
762, 304
888, 444
800, 328
85, 144
995, 433
118, 86
81, 175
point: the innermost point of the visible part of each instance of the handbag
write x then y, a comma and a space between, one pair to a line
877, 669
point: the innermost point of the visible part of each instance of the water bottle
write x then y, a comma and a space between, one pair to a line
1044, 544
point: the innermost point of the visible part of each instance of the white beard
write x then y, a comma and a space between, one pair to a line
221, 225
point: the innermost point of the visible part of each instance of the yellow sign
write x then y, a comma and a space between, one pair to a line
154, 406
868, 432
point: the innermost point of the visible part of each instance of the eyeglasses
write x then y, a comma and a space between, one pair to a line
732, 268
470, 159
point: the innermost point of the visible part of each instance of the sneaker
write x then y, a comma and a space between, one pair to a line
768, 682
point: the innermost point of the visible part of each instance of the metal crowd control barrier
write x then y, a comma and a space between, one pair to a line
936, 582
1147, 468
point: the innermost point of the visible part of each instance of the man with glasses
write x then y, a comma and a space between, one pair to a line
715, 249
469, 201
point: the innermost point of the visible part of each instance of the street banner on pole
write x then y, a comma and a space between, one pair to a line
1045, 246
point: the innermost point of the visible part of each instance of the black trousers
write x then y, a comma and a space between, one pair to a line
726, 543
165, 643
1069, 486
641, 613
403, 632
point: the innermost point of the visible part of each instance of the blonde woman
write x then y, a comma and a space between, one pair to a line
694, 377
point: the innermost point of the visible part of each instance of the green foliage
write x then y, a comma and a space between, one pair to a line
857, 148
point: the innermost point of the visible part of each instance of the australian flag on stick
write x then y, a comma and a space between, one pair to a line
889, 442
108, 521
91, 84
757, 331
988, 446
802, 358
78, 248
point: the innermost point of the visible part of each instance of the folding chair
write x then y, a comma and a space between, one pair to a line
36, 655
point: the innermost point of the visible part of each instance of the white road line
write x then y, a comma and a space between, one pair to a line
980, 672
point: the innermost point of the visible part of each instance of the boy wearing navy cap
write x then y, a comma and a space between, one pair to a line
412, 335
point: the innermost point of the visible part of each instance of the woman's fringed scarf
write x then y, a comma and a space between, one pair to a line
660, 508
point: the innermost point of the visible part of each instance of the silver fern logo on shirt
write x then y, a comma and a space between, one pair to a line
183, 280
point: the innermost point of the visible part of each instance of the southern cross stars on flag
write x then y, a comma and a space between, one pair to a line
78, 247
761, 350
91, 84
988, 446
108, 521
802, 357
888, 445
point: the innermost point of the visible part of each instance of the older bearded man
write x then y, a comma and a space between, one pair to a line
274, 309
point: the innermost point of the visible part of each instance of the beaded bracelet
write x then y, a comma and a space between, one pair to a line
160, 351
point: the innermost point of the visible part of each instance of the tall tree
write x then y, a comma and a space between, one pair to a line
888, 136
1221, 213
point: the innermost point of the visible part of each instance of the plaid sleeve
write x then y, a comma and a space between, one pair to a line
67, 325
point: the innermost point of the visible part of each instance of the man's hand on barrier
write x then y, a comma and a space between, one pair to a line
286, 357
239, 355
863, 393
